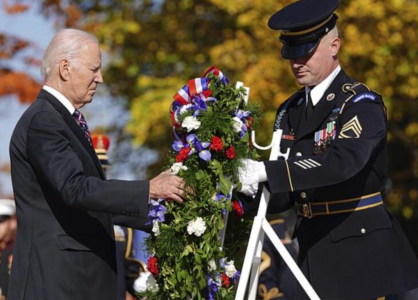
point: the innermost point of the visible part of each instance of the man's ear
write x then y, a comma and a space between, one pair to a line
335, 46
64, 69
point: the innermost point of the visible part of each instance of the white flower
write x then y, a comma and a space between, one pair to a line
230, 269
237, 124
196, 227
156, 228
145, 282
211, 265
190, 123
176, 167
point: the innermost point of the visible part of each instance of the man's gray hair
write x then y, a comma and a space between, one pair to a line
67, 43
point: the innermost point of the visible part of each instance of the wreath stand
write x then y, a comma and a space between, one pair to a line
255, 244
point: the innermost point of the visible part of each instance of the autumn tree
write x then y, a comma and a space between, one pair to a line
153, 47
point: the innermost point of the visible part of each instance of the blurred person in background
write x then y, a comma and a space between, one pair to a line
65, 247
8, 226
350, 246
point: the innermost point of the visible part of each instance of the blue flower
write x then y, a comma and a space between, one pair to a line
157, 212
241, 115
200, 103
200, 147
213, 287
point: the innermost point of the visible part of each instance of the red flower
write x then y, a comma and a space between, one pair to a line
249, 122
207, 93
237, 207
230, 153
153, 266
216, 143
183, 154
225, 280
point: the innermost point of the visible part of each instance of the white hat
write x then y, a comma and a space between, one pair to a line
7, 207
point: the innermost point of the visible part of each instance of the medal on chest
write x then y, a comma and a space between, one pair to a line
324, 137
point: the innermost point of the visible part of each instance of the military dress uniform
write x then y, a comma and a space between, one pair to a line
350, 246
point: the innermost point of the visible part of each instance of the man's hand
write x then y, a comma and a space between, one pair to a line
250, 174
167, 185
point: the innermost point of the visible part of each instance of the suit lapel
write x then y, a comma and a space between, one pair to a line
323, 108
75, 128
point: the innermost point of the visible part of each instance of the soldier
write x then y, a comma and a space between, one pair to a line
350, 246
7, 241
128, 267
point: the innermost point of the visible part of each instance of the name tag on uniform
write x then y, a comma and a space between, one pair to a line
288, 137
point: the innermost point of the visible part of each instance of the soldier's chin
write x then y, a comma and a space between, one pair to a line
304, 80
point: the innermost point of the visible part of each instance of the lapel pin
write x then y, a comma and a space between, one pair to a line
330, 96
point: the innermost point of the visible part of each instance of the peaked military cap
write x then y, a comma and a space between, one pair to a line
302, 24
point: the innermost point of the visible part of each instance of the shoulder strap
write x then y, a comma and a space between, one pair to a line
355, 92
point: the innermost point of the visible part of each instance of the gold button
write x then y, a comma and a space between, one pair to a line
303, 195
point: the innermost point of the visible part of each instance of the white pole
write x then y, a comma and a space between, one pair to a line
260, 225
288, 259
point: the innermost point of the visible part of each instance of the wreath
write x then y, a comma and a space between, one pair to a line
197, 247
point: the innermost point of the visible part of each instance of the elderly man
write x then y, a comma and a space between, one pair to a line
65, 247
351, 247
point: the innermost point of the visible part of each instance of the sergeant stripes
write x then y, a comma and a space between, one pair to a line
352, 125
307, 163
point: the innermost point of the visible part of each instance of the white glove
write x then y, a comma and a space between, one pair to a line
145, 282
250, 174
249, 190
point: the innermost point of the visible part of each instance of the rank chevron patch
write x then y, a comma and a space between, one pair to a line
351, 130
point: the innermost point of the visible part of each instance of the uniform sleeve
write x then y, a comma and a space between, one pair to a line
58, 167
361, 135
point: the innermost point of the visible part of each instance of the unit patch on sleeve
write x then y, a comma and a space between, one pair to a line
351, 130
364, 96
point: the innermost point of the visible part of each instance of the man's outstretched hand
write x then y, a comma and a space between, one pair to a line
167, 185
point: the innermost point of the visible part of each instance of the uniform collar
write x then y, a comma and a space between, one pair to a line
60, 97
318, 91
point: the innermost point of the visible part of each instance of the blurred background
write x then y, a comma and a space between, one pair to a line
151, 48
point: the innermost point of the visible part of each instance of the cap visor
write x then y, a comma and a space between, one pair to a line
293, 52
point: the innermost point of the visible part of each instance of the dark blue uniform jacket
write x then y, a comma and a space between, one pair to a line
340, 154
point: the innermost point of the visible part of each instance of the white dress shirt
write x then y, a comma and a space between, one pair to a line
61, 98
318, 91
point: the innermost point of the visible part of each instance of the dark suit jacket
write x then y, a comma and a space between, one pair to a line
65, 246
353, 255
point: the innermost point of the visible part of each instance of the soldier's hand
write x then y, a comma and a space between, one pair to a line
252, 172
167, 185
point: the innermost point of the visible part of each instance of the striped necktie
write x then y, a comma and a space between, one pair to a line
79, 118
